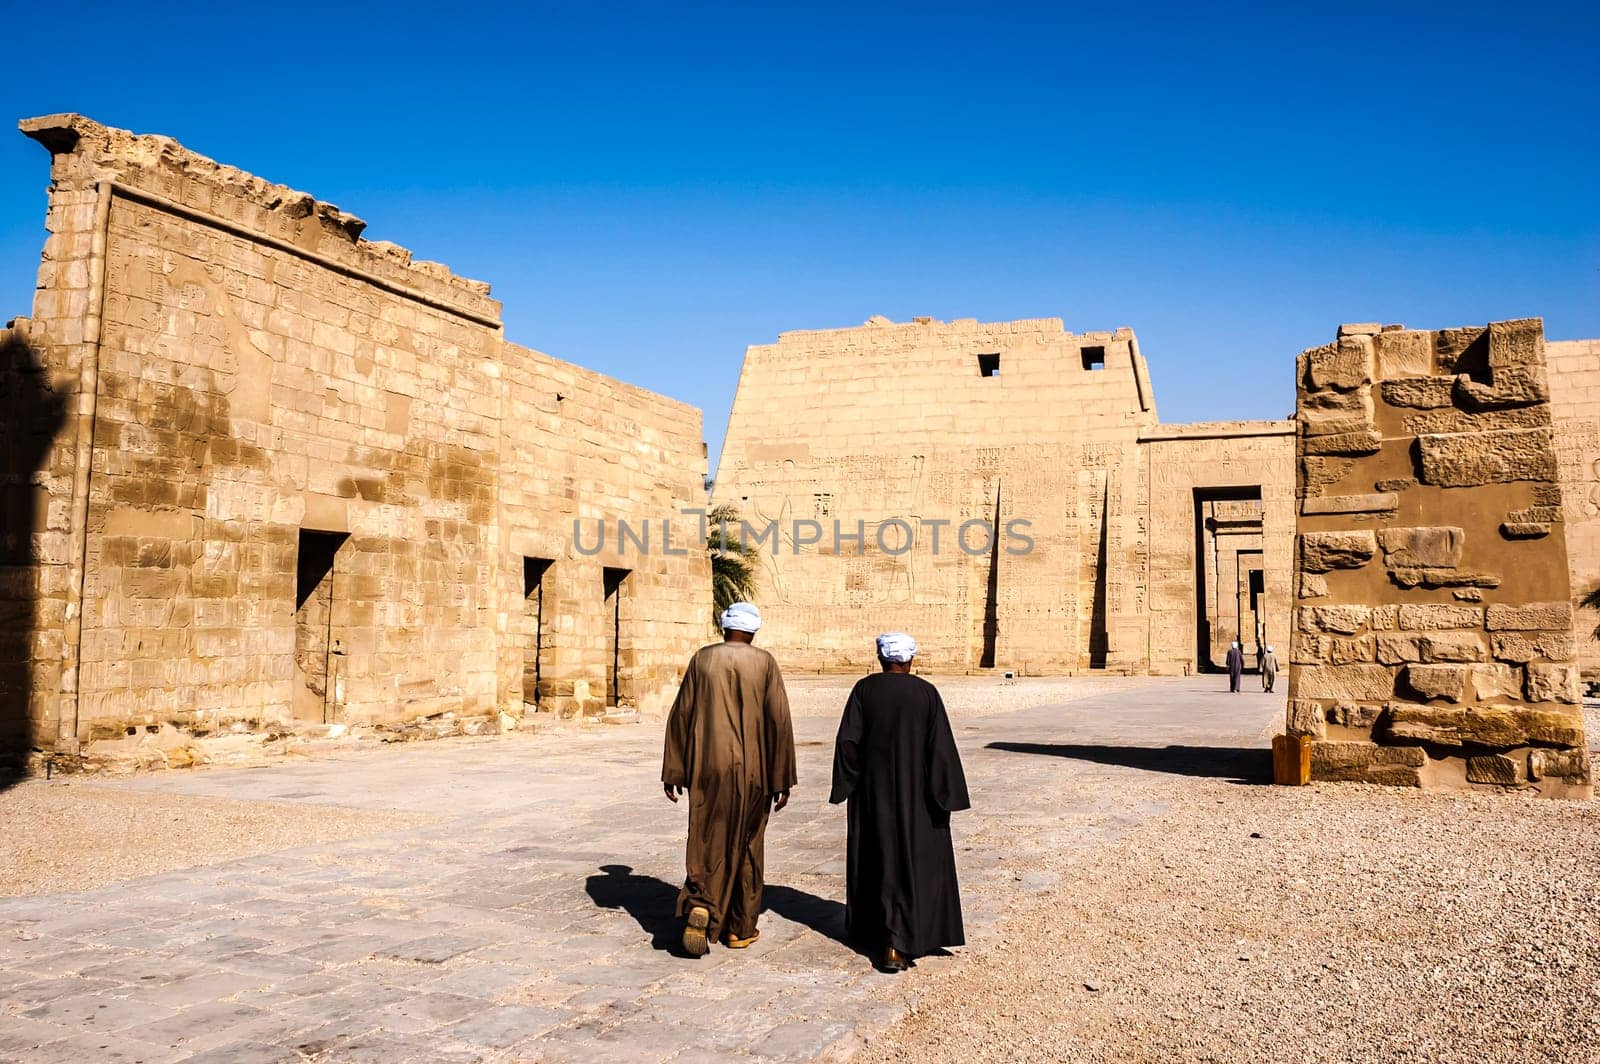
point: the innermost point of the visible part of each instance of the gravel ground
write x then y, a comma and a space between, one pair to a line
70, 835
964, 696
1330, 923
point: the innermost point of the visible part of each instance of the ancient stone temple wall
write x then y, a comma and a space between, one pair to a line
1433, 644
890, 434
1574, 367
299, 470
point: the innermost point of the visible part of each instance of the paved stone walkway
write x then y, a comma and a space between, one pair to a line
533, 919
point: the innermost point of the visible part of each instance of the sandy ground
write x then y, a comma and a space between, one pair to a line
1331, 923
76, 834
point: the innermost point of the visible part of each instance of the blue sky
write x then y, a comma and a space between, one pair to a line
651, 187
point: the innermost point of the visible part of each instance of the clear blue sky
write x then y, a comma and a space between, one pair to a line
652, 187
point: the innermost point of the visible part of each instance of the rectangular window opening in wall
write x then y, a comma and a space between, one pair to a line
1094, 358
317, 678
989, 365
618, 658
533, 612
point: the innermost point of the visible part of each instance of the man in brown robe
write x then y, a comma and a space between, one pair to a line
731, 744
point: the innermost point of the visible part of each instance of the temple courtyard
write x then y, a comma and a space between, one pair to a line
1134, 890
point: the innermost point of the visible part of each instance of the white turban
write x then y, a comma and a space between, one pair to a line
897, 647
741, 617
1269, 650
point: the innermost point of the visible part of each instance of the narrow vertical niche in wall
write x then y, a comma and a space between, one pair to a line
617, 650
991, 597
1099, 636
533, 573
314, 562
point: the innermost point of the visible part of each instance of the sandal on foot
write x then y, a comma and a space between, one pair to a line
694, 932
741, 943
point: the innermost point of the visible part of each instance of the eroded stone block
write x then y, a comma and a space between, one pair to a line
1423, 393
1442, 578
1404, 353
1436, 681
1499, 725
1558, 764
1551, 683
1492, 768
1345, 443
1513, 386
1422, 548
1522, 647
1467, 459
1529, 616
1340, 620
1322, 552
1344, 366
1376, 502
1306, 718
1452, 647
1345, 651
1313, 585
1359, 683
1490, 681
1430, 616
1398, 648
1353, 714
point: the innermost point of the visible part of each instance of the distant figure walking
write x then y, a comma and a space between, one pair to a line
1269, 670
896, 763
731, 743
1235, 666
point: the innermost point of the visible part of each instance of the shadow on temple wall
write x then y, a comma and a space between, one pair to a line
1237, 764
30, 416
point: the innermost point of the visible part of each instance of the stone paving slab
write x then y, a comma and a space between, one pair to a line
532, 920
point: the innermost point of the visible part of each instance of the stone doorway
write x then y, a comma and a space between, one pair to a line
617, 650
1230, 576
533, 633
316, 678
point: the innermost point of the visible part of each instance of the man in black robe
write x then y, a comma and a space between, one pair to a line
895, 760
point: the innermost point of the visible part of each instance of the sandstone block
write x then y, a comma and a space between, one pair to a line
1340, 620
1404, 353
1437, 681
1513, 386
1305, 718
1438, 546
1467, 594
1449, 420
1452, 647
1551, 683
1356, 403
1490, 681
1343, 651
1396, 483
1360, 683
1491, 768
1451, 346
1353, 714
1543, 764
1466, 459
1343, 366
1337, 423
1385, 618
1398, 648
1322, 552
1425, 616
1524, 529
1377, 502
1502, 726
1423, 393
1529, 616
1317, 473
1308, 649
1522, 647
1517, 342
1345, 443
1442, 578
1341, 761
1360, 328
1313, 586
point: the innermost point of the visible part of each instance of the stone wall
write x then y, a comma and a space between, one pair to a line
1433, 644
905, 422
1574, 368
302, 470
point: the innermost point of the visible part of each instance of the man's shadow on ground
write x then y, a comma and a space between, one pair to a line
653, 903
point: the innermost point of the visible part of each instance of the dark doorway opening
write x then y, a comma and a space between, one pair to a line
533, 572
1227, 546
616, 582
314, 672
